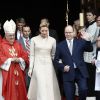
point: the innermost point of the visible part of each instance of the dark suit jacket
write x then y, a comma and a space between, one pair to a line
16, 34
63, 53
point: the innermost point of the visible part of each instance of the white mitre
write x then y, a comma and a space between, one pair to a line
9, 27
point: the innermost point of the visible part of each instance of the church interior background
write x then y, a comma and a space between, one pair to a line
54, 10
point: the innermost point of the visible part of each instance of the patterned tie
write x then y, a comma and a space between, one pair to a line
27, 46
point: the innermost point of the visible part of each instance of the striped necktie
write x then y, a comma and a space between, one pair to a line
27, 46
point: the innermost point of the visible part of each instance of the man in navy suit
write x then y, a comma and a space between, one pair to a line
69, 59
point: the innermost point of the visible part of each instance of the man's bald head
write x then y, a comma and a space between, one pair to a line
69, 32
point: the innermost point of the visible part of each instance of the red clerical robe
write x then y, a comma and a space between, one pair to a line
14, 87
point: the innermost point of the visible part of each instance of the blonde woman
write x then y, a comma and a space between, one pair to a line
43, 85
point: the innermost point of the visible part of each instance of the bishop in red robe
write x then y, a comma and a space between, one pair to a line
13, 60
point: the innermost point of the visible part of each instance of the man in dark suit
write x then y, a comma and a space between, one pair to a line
25, 41
69, 59
26, 31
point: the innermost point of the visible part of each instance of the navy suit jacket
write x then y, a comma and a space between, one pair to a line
63, 53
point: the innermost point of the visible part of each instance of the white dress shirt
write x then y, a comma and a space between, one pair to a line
70, 42
19, 34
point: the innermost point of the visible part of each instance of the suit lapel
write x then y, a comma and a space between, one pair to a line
75, 45
66, 47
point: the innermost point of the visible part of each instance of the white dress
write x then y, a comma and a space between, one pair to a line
43, 85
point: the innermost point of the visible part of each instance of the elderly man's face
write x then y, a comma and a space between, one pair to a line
69, 33
10, 38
